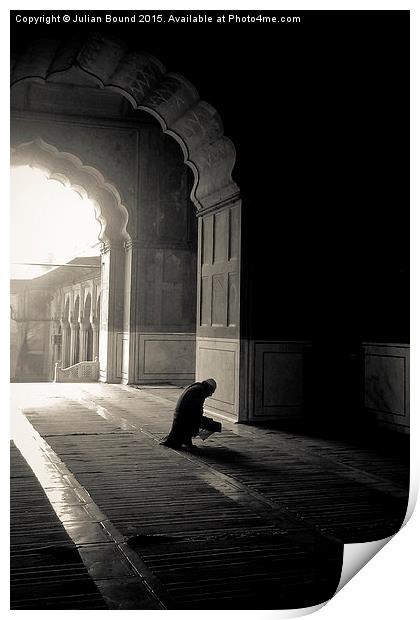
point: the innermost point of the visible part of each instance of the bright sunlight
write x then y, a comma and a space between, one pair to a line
50, 223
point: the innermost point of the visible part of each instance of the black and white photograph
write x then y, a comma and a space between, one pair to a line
209, 305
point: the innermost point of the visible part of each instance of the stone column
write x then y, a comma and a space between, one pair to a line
95, 347
74, 337
131, 318
65, 344
83, 330
112, 311
55, 347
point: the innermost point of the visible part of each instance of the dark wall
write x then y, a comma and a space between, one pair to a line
318, 112
167, 230
29, 332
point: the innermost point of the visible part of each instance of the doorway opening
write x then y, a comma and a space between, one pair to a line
54, 264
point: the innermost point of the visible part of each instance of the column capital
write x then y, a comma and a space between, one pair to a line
129, 244
107, 246
220, 203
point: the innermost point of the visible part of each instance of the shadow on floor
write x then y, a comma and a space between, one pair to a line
222, 454
365, 435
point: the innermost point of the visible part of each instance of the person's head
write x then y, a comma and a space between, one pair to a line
211, 385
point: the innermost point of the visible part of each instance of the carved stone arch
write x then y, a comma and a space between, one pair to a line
142, 79
74, 322
87, 181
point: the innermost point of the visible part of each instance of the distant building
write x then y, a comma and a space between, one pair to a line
55, 318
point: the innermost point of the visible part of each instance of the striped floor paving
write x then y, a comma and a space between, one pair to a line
47, 572
179, 524
254, 520
351, 493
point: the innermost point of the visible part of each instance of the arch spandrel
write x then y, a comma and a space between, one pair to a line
200, 126
85, 180
65, 56
100, 55
35, 61
137, 74
170, 98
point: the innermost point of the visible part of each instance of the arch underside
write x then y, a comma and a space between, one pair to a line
85, 180
169, 97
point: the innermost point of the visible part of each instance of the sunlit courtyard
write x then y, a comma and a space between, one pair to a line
50, 223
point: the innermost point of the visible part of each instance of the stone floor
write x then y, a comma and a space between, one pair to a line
47, 572
254, 519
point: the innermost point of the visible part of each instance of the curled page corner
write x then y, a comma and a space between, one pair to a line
297, 613
288, 613
412, 498
356, 556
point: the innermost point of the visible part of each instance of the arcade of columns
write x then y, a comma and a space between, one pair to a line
76, 319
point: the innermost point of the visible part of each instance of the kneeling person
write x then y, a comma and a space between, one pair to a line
188, 414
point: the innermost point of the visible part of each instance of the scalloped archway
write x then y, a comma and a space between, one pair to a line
86, 180
143, 80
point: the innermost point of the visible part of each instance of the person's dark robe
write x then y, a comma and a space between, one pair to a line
188, 415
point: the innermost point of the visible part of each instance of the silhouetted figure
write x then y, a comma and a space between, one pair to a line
189, 413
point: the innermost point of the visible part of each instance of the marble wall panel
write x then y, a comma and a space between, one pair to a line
166, 291
387, 384
220, 238
165, 357
276, 379
219, 277
219, 359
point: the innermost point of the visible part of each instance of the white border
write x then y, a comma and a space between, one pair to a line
387, 586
